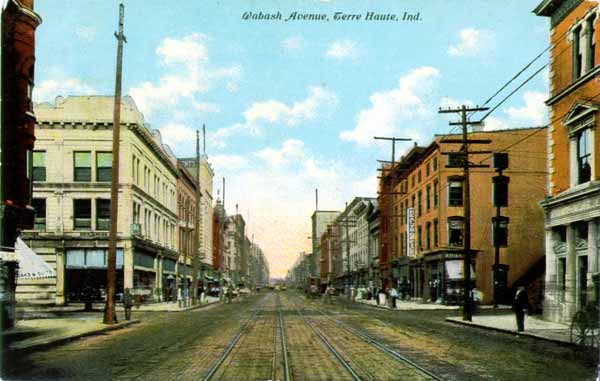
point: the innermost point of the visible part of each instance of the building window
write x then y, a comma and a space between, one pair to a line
435, 194
577, 53
419, 176
427, 169
39, 207
455, 231
39, 166
591, 43
434, 163
435, 233
584, 169
82, 214
103, 166
82, 166
102, 214
428, 236
412, 200
455, 193
419, 239
428, 198
419, 203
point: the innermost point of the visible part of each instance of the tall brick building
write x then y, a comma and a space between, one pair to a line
572, 205
422, 217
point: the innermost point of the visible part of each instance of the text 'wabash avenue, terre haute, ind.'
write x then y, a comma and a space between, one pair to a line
336, 16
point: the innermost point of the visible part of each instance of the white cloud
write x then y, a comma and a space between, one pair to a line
190, 50
343, 49
471, 42
174, 134
291, 149
397, 109
366, 187
531, 114
48, 89
278, 189
206, 107
85, 33
293, 44
188, 73
229, 162
273, 111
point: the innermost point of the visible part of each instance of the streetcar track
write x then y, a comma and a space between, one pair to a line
232, 343
374, 342
284, 355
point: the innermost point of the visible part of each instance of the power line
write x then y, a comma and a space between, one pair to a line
512, 92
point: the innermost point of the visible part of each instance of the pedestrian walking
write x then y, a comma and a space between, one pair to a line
127, 303
394, 295
521, 303
376, 295
229, 294
180, 297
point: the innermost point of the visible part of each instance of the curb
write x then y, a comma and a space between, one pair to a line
63, 340
400, 310
508, 331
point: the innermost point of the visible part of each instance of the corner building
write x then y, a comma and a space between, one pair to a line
72, 164
422, 218
572, 205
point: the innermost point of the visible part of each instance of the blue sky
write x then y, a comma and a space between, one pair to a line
292, 106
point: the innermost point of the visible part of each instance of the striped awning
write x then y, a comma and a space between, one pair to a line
31, 265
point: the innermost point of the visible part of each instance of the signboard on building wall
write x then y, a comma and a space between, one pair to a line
410, 232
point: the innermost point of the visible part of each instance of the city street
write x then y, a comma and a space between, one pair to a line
323, 340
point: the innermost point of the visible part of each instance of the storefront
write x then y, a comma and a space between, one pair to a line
169, 280
454, 280
144, 276
85, 274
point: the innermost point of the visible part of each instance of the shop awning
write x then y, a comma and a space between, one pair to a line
454, 270
31, 265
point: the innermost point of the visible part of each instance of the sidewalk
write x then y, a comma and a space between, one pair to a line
33, 312
505, 322
406, 305
35, 334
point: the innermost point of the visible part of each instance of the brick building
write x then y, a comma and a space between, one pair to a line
572, 206
422, 220
19, 23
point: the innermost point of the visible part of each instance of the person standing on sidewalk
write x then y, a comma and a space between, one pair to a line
394, 295
127, 303
520, 304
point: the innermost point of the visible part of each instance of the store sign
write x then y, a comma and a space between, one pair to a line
410, 232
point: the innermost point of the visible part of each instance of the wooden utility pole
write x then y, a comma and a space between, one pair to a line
196, 245
110, 315
463, 162
383, 194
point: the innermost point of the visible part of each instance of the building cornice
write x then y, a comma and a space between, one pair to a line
573, 86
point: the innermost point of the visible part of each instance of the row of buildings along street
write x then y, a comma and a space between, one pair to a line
72, 174
542, 179
56, 192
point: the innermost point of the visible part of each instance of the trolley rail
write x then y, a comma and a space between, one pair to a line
330, 347
284, 354
377, 344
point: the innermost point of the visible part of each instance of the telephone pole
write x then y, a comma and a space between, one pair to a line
384, 202
460, 159
196, 245
110, 314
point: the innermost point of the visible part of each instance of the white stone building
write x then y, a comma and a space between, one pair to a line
72, 174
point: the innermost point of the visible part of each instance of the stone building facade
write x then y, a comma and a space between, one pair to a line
572, 205
72, 173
